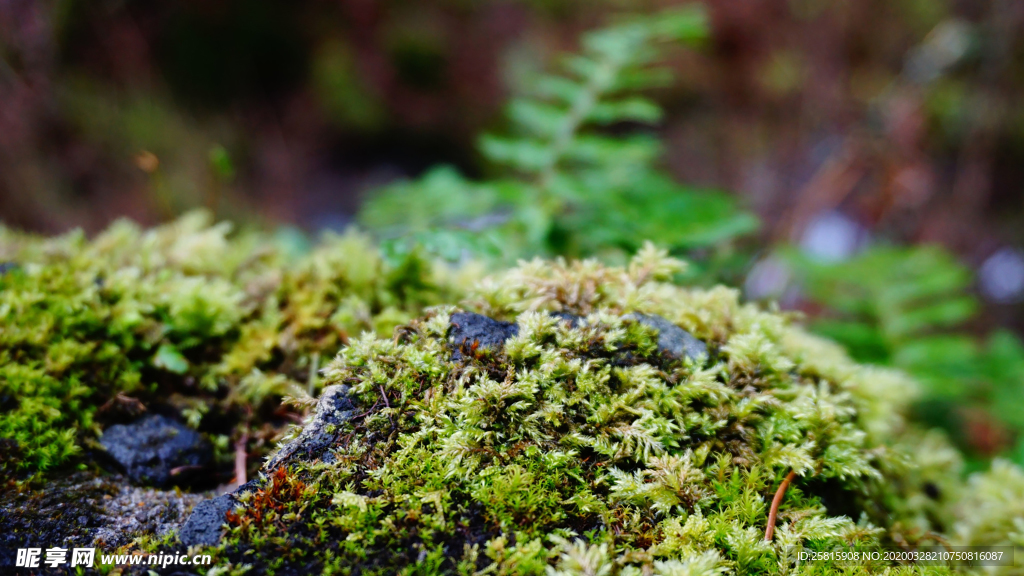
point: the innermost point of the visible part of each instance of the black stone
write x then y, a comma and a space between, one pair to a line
673, 341
50, 516
475, 331
150, 448
6, 267
319, 434
205, 525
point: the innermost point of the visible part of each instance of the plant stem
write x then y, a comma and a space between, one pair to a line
773, 512
241, 458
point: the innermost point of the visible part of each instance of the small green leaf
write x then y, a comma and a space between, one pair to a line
536, 117
169, 358
635, 109
526, 155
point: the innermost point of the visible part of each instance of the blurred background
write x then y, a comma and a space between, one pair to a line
858, 161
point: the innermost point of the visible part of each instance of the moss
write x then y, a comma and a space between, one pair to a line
215, 325
578, 447
575, 443
992, 511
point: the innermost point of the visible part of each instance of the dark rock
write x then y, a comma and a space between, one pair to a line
475, 331
250, 486
151, 448
205, 525
334, 408
134, 510
673, 341
320, 433
82, 510
49, 516
6, 267
572, 319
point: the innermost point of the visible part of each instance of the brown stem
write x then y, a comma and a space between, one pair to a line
372, 408
773, 512
388, 404
182, 469
240, 459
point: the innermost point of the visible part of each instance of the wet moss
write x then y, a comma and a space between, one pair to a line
190, 319
560, 435
580, 448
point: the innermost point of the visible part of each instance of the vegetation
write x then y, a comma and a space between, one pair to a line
180, 315
578, 448
912, 308
576, 445
576, 176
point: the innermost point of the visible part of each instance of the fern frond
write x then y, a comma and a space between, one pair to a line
568, 185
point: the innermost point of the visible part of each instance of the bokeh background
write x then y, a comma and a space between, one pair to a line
878, 143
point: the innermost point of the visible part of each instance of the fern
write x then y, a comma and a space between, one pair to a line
912, 308
568, 185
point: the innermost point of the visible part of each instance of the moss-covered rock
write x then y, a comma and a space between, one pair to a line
546, 446
187, 319
557, 418
83, 510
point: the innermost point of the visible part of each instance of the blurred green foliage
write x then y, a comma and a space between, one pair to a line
578, 173
912, 308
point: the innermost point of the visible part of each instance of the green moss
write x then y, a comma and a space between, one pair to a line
219, 325
574, 448
583, 450
992, 511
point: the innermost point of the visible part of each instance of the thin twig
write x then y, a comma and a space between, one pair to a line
372, 408
241, 458
182, 469
770, 530
388, 404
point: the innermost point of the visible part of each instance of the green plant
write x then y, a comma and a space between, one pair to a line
911, 308
574, 177
576, 447
219, 325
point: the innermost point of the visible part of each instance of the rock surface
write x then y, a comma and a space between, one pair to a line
476, 331
468, 329
318, 435
673, 341
85, 511
573, 319
205, 525
152, 448
133, 511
